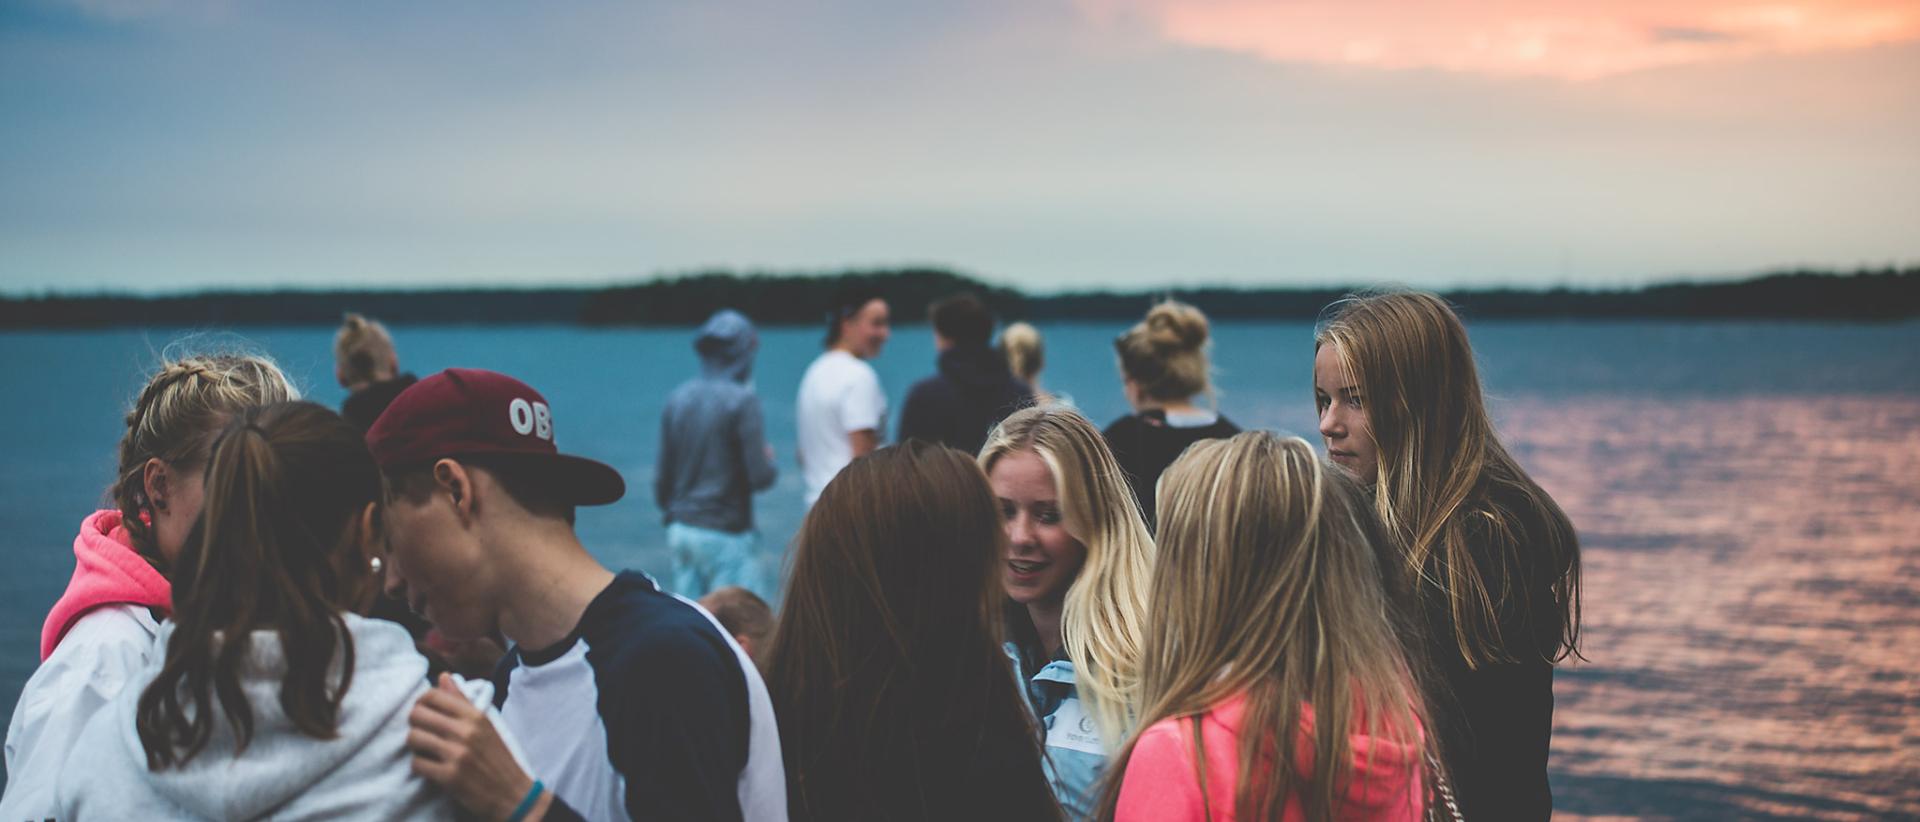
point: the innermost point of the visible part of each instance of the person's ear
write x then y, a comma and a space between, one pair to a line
365, 563
155, 482
458, 485
372, 537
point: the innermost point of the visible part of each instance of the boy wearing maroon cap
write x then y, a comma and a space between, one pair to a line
626, 700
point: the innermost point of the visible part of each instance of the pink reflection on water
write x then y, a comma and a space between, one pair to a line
1752, 602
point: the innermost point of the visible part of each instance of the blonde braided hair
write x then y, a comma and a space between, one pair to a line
176, 417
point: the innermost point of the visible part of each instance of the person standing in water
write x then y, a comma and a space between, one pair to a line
1493, 562
713, 457
841, 413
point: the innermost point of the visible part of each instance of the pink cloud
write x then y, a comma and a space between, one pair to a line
1576, 39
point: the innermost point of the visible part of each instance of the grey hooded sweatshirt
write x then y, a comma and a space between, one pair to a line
713, 444
363, 772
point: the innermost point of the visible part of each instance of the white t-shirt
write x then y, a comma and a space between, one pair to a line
839, 395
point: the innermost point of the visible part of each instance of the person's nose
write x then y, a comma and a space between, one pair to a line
1020, 532
390, 581
1330, 425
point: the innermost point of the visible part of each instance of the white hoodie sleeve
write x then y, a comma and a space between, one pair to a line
105, 650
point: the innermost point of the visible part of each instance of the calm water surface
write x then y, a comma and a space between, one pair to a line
1747, 495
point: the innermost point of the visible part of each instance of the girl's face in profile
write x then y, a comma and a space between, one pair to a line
1042, 558
1343, 415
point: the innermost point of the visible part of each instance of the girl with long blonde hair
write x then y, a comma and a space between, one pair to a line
1026, 354
1493, 561
100, 633
1076, 576
1275, 627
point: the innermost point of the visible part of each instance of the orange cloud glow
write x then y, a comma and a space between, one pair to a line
1576, 39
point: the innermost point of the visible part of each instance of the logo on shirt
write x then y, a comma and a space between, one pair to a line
1073, 730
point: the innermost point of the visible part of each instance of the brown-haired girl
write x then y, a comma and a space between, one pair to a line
274, 697
1163, 368
1494, 563
100, 632
1276, 682
894, 697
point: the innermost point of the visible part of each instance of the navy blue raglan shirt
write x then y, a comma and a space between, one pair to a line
646, 711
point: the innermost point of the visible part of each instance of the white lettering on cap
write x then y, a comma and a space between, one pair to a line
521, 415
543, 421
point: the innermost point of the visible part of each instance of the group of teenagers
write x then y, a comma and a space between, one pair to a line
1168, 620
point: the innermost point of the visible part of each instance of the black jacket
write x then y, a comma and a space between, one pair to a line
973, 392
365, 405
1496, 721
1144, 445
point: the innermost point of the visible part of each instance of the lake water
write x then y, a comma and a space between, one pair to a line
1747, 495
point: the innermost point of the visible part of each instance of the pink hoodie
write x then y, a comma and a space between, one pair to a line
1161, 782
106, 571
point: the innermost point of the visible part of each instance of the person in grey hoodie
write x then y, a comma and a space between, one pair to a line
713, 457
274, 699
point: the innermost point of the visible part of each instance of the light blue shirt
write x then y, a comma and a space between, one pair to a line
1074, 754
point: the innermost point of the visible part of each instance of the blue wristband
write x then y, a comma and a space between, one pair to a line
526, 804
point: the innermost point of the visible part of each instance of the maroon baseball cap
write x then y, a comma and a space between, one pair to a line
467, 412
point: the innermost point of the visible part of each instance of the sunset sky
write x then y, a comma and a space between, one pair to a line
158, 145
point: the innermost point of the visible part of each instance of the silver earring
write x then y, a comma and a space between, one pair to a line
376, 564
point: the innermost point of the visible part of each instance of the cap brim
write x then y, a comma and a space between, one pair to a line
582, 481
566, 478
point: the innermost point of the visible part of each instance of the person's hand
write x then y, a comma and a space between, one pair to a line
457, 748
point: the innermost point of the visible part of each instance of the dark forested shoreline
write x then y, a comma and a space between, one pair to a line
777, 299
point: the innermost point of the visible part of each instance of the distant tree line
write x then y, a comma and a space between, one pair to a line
789, 299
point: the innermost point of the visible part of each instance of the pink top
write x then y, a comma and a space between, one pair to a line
1161, 782
106, 571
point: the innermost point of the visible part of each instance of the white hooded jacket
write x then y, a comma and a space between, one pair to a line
364, 772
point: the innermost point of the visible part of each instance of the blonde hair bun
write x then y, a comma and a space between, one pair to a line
362, 350
1175, 326
1166, 353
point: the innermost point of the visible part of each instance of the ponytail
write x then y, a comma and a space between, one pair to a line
275, 549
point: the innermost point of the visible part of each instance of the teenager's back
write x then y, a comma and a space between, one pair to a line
361, 772
273, 698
